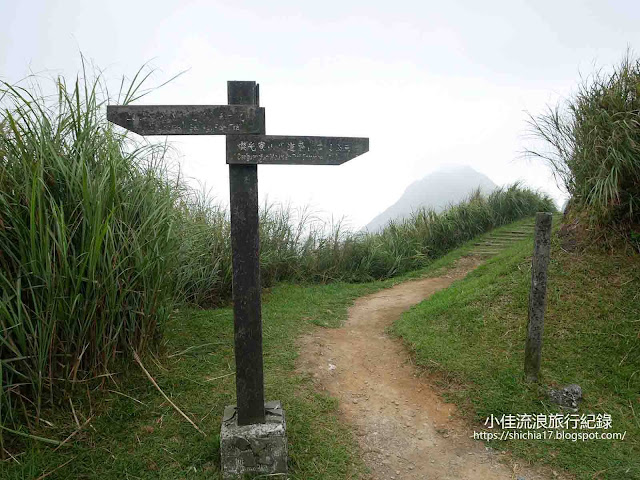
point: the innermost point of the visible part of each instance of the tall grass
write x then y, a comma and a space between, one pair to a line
414, 242
100, 242
86, 243
594, 140
297, 247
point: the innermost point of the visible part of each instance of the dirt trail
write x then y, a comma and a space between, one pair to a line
405, 430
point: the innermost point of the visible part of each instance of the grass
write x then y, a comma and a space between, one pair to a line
134, 433
472, 337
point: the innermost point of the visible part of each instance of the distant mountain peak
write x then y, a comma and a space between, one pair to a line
446, 186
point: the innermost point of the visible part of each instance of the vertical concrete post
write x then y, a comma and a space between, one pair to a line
537, 296
253, 436
245, 256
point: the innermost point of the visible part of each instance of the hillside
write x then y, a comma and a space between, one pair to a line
444, 187
471, 338
130, 431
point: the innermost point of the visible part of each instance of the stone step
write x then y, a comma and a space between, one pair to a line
495, 243
499, 239
509, 240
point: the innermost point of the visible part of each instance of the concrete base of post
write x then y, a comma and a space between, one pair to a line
254, 449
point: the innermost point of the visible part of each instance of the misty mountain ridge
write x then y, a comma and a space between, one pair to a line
438, 190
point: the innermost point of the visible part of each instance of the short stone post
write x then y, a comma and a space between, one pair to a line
537, 296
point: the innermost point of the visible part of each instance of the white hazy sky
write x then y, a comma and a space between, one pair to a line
430, 83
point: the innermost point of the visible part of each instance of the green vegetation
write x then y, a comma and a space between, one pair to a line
100, 242
472, 337
85, 245
594, 141
426, 235
297, 248
134, 433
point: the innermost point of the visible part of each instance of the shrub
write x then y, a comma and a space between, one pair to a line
595, 148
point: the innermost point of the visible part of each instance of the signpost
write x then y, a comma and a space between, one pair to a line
253, 436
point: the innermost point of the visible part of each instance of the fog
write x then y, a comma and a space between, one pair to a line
430, 83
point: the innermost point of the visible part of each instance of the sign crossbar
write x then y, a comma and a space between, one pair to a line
188, 119
292, 150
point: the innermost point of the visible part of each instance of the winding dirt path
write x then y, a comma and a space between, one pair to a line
405, 430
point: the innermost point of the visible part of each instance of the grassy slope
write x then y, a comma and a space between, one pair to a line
473, 334
127, 439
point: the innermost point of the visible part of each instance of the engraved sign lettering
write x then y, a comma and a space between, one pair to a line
188, 119
288, 150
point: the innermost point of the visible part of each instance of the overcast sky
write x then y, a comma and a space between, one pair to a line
430, 83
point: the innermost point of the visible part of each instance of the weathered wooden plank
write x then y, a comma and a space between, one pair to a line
188, 119
291, 150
